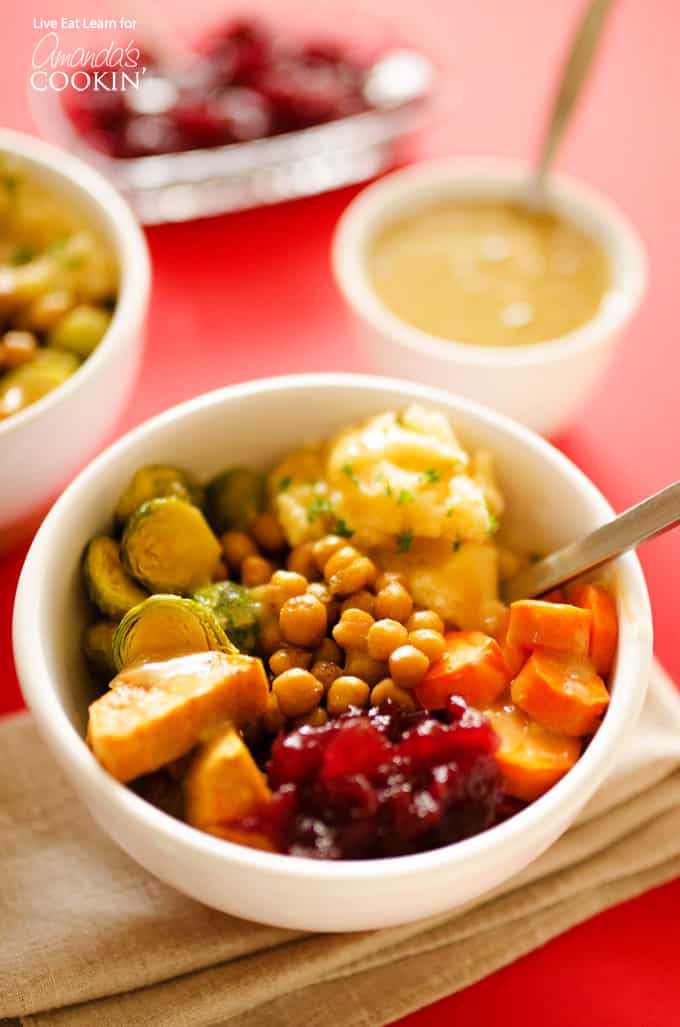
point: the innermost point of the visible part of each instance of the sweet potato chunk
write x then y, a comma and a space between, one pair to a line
605, 630
562, 692
535, 623
156, 712
472, 666
531, 758
223, 782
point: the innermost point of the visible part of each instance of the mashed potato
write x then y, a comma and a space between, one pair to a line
404, 490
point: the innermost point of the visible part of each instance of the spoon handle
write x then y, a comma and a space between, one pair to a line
653, 516
574, 73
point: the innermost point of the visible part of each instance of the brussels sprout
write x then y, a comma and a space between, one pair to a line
168, 546
154, 482
80, 330
98, 647
164, 626
29, 382
110, 586
234, 498
235, 610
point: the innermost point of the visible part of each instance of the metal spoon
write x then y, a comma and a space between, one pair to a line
651, 517
574, 73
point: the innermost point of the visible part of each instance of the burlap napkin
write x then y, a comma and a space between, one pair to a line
89, 938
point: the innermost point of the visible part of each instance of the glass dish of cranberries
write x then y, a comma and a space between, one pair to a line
257, 111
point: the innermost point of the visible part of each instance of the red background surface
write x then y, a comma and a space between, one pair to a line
251, 294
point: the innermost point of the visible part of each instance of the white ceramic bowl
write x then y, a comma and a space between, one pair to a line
549, 502
41, 446
541, 385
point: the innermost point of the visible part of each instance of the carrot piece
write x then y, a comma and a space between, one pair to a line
472, 666
531, 758
562, 692
515, 655
559, 626
556, 595
605, 630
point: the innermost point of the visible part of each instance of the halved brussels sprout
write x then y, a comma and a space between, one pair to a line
234, 498
164, 626
81, 329
154, 482
168, 546
110, 586
98, 647
235, 610
29, 382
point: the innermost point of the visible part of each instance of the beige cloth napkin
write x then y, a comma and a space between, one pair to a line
89, 938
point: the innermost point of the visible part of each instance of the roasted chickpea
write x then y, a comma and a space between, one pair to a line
348, 571
386, 689
289, 584
317, 718
236, 545
272, 718
325, 547
394, 602
271, 638
425, 619
360, 665
255, 570
407, 666
301, 561
429, 642
352, 630
320, 590
326, 672
363, 600
267, 532
346, 691
297, 691
384, 637
288, 657
389, 576
328, 652
303, 620
220, 572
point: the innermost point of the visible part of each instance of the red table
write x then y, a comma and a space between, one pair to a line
250, 295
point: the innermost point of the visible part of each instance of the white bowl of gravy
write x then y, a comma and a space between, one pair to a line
456, 279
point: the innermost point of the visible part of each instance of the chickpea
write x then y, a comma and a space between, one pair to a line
352, 630
345, 692
393, 601
384, 637
303, 620
317, 718
220, 572
236, 545
255, 570
271, 638
319, 589
301, 561
348, 571
340, 558
288, 657
407, 666
272, 718
267, 532
328, 652
359, 665
326, 672
387, 577
425, 619
324, 549
289, 584
359, 601
386, 689
297, 691
429, 642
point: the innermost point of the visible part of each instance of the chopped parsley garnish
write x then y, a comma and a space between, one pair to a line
21, 254
319, 505
404, 497
387, 490
535, 557
349, 471
285, 483
342, 530
455, 545
404, 541
430, 475
450, 512
493, 524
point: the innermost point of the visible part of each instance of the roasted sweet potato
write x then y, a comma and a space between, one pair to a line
223, 782
472, 666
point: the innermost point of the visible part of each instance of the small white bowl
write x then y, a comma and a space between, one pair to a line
541, 385
41, 446
549, 502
